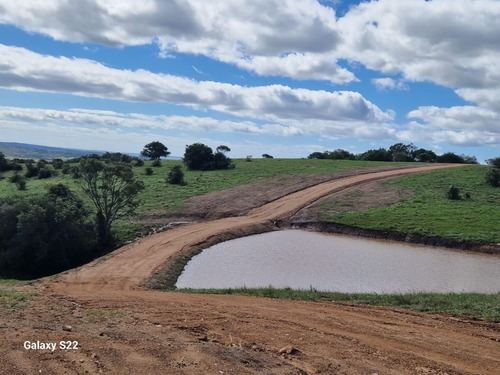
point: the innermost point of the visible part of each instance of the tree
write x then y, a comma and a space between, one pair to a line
223, 149
424, 156
155, 150
402, 152
495, 162
113, 190
267, 156
199, 157
44, 235
493, 177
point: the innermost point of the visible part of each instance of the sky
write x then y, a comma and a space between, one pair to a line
282, 77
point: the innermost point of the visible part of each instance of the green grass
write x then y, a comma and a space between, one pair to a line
159, 198
430, 213
11, 299
471, 305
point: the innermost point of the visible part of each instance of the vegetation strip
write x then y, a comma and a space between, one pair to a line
475, 306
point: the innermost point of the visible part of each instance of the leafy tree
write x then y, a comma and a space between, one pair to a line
450, 157
113, 190
58, 163
176, 176
317, 155
44, 235
495, 162
402, 152
155, 150
376, 155
267, 156
223, 149
199, 157
4, 163
424, 156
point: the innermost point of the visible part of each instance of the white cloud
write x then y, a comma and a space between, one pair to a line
462, 125
452, 43
252, 35
386, 84
24, 70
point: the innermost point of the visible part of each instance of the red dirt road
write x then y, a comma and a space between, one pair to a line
122, 328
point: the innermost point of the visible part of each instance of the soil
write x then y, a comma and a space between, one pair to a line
124, 328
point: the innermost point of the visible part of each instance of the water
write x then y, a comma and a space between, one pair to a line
302, 260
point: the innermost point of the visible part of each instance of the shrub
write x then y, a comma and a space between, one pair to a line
454, 193
44, 235
156, 163
148, 171
176, 176
493, 177
19, 180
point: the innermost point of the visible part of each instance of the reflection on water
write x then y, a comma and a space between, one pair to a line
302, 260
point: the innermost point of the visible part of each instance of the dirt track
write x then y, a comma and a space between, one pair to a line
122, 328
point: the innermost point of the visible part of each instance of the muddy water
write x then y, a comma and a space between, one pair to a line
302, 260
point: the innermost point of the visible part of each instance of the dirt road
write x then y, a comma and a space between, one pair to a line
122, 328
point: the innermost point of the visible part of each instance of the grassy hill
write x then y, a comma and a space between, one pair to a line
29, 151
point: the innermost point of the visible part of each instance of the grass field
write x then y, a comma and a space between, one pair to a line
429, 212
161, 198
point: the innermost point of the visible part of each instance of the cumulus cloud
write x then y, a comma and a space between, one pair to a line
98, 119
21, 69
452, 43
386, 84
461, 125
256, 35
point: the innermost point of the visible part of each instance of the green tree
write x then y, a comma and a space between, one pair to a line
155, 150
199, 157
223, 149
44, 235
113, 190
495, 162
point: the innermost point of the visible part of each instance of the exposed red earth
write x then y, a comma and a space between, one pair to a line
123, 328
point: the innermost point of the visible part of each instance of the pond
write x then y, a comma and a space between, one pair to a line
300, 259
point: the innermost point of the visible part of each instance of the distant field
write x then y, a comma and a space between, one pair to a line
428, 212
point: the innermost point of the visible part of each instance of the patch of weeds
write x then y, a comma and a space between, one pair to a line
11, 299
99, 316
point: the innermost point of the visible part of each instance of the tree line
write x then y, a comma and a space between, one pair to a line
398, 152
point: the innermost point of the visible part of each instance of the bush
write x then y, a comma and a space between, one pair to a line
44, 235
493, 177
148, 171
176, 176
454, 193
156, 163
495, 162
19, 180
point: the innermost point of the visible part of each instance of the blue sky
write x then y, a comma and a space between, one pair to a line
283, 77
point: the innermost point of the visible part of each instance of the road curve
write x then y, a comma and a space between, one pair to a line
129, 266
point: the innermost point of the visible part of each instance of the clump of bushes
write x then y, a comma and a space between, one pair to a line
176, 176
454, 193
493, 174
45, 235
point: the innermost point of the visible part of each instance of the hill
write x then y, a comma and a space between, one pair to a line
29, 151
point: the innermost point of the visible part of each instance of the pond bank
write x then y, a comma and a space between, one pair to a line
450, 243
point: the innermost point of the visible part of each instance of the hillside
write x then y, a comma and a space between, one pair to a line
29, 151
